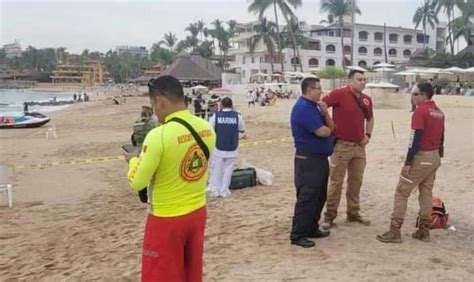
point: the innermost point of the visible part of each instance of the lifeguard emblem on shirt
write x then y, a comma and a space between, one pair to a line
366, 102
194, 164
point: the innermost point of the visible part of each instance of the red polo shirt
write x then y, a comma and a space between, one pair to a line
428, 117
349, 120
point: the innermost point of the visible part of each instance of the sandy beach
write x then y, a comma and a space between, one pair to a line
81, 222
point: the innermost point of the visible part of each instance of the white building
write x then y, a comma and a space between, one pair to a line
12, 50
134, 50
324, 48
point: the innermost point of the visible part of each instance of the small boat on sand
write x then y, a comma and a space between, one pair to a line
29, 120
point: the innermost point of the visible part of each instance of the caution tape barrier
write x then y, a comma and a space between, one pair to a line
113, 158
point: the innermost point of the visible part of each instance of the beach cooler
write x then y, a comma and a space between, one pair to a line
242, 178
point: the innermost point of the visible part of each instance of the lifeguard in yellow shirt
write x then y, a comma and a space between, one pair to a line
173, 164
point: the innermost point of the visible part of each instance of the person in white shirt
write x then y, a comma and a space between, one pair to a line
228, 124
250, 98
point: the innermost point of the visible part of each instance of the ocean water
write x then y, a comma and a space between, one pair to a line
11, 101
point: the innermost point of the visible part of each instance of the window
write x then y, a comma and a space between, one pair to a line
378, 36
393, 38
392, 52
330, 48
261, 59
378, 51
330, 62
314, 45
406, 53
243, 60
407, 39
253, 59
331, 33
295, 61
419, 38
347, 49
363, 35
313, 62
362, 51
362, 64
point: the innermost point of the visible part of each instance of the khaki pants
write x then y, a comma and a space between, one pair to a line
348, 156
422, 174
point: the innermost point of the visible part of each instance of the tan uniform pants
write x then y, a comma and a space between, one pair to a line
348, 156
422, 174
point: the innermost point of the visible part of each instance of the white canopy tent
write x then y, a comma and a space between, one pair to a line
381, 85
455, 70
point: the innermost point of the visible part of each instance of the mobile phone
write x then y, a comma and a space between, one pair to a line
129, 148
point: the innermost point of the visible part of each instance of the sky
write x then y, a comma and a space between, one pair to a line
103, 25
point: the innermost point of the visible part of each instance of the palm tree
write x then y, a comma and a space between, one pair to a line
295, 30
193, 29
200, 26
170, 40
448, 8
290, 19
338, 9
425, 14
260, 7
461, 28
232, 25
222, 36
192, 42
266, 32
329, 20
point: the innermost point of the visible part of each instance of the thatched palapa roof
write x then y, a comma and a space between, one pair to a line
193, 68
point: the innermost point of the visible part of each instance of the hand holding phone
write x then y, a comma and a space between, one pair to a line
129, 148
130, 151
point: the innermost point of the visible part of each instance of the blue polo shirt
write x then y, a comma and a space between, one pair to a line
305, 119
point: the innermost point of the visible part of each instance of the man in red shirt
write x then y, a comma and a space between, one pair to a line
353, 124
422, 161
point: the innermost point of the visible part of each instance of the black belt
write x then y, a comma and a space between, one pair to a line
303, 154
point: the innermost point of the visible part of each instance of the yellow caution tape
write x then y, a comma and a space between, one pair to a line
113, 158
69, 162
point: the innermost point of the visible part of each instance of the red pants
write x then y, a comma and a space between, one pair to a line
173, 246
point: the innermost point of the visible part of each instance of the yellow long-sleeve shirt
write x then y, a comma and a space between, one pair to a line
173, 166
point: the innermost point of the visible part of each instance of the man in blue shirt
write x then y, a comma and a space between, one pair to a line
311, 127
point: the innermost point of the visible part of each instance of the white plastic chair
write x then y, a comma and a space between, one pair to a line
6, 172
51, 130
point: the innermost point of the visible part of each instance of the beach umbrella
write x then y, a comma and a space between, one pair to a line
356, 68
384, 69
422, 71
384, 65
221, 91
404, 73
199, 87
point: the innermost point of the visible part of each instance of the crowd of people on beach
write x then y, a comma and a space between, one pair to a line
267, 97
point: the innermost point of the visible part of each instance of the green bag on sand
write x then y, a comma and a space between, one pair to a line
242, 178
